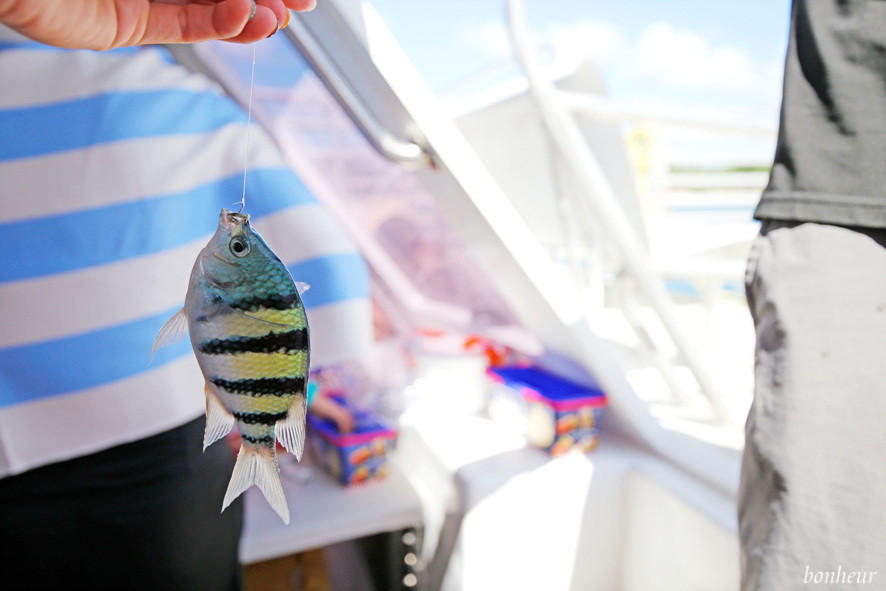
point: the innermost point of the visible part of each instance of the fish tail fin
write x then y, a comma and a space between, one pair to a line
257, 464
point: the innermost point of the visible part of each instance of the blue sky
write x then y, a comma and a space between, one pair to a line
721, 57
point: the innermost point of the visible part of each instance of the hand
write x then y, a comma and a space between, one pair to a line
105, 24
328, 408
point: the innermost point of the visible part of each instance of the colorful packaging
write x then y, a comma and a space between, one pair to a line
357, 457
558, 415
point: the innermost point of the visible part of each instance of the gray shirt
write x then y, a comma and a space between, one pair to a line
830, 162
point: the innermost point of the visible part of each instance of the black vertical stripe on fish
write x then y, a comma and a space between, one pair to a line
260, 418
262, 386
271, 302
290, 342
266, 440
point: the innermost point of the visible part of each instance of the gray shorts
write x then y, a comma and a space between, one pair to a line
812, 501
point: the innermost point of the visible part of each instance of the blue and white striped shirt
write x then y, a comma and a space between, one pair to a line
113, 168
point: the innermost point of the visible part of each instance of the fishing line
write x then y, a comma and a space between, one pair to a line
248, 127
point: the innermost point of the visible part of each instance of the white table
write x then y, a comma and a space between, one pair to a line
323, 512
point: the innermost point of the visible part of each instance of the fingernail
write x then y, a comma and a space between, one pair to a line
252, 14
286, 22
312, 6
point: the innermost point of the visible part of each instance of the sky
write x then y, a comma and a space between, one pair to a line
714, 57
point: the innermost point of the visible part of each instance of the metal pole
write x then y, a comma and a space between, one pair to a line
602, 200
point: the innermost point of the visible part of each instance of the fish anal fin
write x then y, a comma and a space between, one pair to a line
257, 465
290, 432
301, 287
219, 421
172, 332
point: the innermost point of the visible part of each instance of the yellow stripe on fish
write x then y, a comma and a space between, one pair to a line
252, 365
220, 326
290, 316
248, 405
269, 365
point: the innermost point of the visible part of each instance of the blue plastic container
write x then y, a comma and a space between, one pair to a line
357, 457
561, 415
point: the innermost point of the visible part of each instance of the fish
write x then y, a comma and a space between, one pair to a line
250, 334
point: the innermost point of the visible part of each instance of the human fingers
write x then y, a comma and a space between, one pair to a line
238, 21
191, 22
300, 5
263, 24
280, 9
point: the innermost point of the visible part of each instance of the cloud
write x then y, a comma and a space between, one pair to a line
662, 57
489, 38
599, 40
586, 37
679, 57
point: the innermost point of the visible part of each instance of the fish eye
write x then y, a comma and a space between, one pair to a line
239, 246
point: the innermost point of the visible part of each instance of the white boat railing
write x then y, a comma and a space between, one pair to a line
558, 110
601, 107
406, 152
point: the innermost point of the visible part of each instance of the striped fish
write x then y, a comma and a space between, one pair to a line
250, 335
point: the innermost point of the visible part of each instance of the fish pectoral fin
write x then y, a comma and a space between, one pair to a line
257, 465
172, 332
219, 421
290, 432
301, 287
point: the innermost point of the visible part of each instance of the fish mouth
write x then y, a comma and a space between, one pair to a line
231, 220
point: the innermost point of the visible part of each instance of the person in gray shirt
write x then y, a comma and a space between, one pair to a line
813, 481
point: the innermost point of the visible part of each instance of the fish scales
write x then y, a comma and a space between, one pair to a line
250, 335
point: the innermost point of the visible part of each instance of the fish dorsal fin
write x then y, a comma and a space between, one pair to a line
301, 287
172, 332
219, 421
290, 432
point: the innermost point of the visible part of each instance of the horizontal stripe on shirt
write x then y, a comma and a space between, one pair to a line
339, 277
111, 117
64, 427
83, 239
159, 398
83, 361
106, 174
68, 75
86, 361
123, 291
6, 45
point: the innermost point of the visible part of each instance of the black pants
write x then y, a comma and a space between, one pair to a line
144, 515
